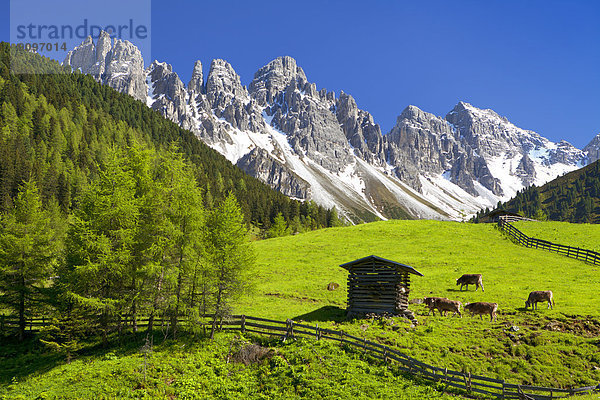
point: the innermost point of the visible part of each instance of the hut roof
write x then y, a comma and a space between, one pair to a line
402, 267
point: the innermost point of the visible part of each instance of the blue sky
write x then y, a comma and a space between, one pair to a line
536, 62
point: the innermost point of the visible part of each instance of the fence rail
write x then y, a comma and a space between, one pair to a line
470, 383
585, 255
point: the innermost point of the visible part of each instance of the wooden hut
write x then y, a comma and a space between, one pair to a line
378, 286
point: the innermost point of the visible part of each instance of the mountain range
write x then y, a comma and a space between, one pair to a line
311, 143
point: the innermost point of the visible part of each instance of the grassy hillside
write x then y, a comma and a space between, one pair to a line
546, 347
585, 236
200, 369
293, 272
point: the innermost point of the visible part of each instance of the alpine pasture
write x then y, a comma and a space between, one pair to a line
557, 347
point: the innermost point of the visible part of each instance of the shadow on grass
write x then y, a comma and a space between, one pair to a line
18, 360
326, 313
459, 291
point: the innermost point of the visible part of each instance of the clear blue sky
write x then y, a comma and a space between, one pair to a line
537, 62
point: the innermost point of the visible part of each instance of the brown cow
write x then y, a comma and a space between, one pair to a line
430, 303
537, 296
481, 308
443, 305
446, 305
470, 279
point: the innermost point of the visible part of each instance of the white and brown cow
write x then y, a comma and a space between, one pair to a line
443, 305
482, 308
430, 303
470, 279
538, 296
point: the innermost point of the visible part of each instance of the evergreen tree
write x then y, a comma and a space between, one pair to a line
100, 244
28, 254
279, 227
228, 254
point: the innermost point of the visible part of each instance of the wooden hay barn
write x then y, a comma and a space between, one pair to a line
378, 286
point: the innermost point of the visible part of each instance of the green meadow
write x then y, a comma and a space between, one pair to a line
585, 236
292, 272
193, 368
557, 347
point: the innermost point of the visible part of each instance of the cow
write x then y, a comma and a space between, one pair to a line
446, 305
537, 296
430, 303
470, 279
443, 305
481, 308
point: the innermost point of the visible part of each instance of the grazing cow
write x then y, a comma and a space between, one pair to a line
443, 305
430, 303
470, 279
537, 296
482, 308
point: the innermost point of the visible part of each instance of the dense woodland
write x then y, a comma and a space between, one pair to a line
573, 197
58, 129
109, 212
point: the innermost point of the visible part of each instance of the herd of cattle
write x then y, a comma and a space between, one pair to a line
444, 305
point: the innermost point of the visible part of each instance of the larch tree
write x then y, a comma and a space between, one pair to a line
100, 242
28, 254
228, 254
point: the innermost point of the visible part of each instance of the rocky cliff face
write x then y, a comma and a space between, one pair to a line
118, 65
310, 144
260, 164
593, 149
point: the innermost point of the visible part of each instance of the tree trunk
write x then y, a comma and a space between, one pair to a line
155, 300
22, 321
217, 312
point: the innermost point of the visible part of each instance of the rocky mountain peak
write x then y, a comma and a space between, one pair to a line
275, 77
119, 65
593, 149
309, 145
103, 47
415, 114
196, 83
223, 84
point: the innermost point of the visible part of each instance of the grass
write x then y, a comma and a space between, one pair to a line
292, 272
585, 236
557, 347
199, 369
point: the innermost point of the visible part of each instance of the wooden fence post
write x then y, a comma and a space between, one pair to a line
317, 332
243, 328
446, 378
287, 330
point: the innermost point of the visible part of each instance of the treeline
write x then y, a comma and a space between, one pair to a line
574, 197
138, 243
58, 128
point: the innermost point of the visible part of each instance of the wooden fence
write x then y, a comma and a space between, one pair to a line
285, 330
588, 256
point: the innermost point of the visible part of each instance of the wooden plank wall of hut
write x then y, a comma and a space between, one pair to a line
402, 290
375, 287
